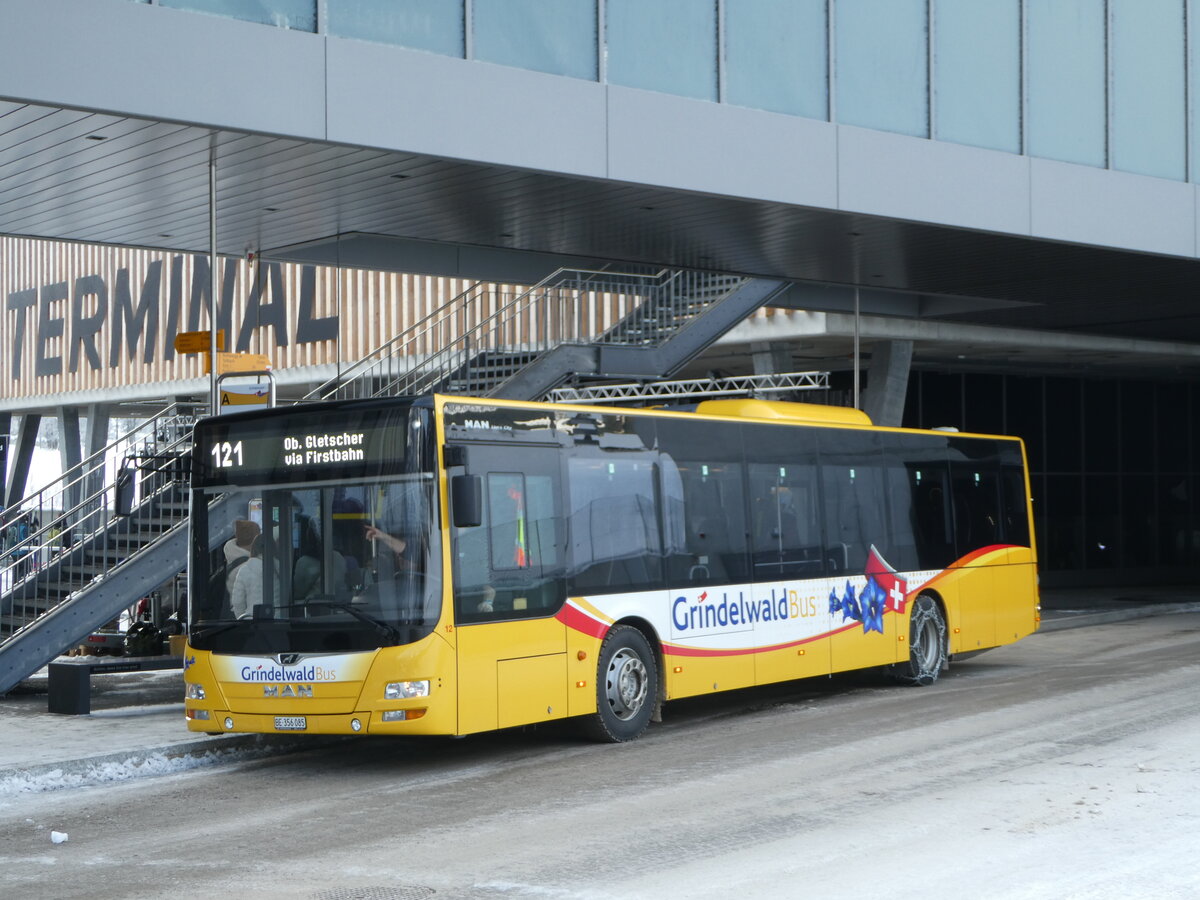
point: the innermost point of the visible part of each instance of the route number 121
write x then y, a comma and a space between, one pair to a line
226, 455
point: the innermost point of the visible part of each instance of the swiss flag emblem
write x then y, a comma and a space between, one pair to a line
885, 576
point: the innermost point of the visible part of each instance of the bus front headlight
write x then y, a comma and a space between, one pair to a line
195, 692
405, 690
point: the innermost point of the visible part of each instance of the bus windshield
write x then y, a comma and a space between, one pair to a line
320, 569
327, 560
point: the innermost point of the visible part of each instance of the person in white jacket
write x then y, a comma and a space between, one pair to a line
248, 583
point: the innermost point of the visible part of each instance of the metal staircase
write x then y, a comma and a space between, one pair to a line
576, 323
101, 546
104, 547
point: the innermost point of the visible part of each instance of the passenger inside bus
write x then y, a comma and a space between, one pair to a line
248, 582
308, 580
237, 549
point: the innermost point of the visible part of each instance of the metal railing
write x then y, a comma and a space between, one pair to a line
484, 335
74, 541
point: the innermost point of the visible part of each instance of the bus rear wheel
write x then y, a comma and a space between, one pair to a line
926, 644
626, 686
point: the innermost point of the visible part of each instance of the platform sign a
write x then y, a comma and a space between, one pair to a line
244, 396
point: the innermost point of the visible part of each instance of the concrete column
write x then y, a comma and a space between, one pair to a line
887, 381
98, 415
69, 452
26, 440
770, 358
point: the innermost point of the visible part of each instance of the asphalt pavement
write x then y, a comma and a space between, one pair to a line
136, 725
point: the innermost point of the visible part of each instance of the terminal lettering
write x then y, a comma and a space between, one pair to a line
69, 318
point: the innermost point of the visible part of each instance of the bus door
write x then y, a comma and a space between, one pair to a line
508, 587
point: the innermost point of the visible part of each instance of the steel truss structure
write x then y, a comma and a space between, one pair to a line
739, 385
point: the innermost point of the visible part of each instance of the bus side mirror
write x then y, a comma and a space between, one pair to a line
466, 500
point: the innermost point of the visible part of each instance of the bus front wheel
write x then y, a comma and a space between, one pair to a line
626, 686
926, 644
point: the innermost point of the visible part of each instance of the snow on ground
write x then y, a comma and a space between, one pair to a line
118, 768
1118, 824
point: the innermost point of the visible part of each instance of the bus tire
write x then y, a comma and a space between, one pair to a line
926, 644
626, 687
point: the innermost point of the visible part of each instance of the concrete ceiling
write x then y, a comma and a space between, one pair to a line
85, 176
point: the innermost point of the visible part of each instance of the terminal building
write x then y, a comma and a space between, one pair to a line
977, 214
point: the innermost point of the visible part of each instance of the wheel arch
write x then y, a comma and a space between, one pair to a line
940, 600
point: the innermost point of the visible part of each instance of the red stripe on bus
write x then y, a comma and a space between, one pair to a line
574, 617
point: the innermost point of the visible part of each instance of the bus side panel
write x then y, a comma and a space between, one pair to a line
852, 646
583, 655
1016, 590
804, 660
694, 675
972, 612
511, 670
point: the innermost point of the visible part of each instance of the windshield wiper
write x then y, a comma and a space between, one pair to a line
202, 634
388, 630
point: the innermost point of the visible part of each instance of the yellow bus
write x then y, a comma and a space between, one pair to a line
443, 565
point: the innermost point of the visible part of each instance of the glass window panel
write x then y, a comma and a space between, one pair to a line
1023, 417
1100, 427
1148, 102
558, 37
931, 515
853, 491
1067, 89
1178, 531
1013, 508
1139, 518
1174, 451
614, 531
776, 56
941, 400
1193, 87
663, 45
1064, 425
706, 462
433, 25
1064, 523
785, 521
984, 403
1104, 527
1137, 433
300, 15
977, 73
882, 66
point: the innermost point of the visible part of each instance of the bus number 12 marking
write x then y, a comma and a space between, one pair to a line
226, 455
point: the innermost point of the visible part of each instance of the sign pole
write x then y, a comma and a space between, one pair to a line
213, 280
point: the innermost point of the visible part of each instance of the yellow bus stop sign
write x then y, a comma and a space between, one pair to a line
238, 362
198, 341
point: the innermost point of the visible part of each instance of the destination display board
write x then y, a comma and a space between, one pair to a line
287, 446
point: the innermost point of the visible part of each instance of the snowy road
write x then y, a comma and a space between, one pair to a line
1063, 767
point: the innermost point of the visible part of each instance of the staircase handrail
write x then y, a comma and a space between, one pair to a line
403, 352
79, 514
553, 298
88, 466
